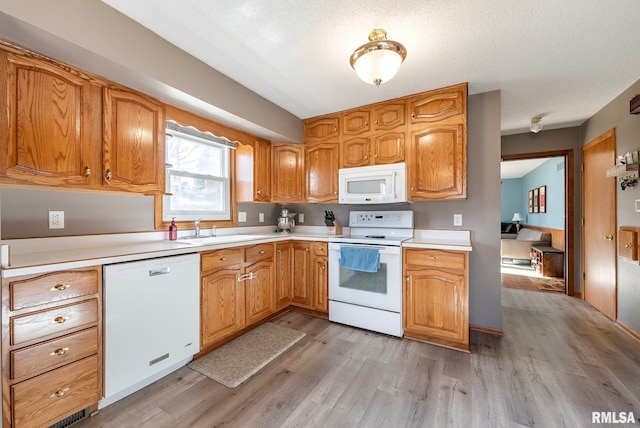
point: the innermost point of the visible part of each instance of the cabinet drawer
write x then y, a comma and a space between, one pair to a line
52, 287
221, 259
258, 252
320, 248
54, 353
435, 258
54, 321
46, 399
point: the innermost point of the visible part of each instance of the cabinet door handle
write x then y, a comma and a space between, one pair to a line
261, 251
108, 175
59, 351
59, 320
607, 237
434, 258
59, 393
60, 287
87, 171
324, 267
258, 191
306, 249
223, 259
279, 250
629, 245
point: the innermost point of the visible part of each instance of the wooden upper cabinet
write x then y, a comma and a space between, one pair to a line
389, 115
388, 148
321, 128
321, 167
253, 172
133, 150
437, 163
287, 172
51, 131
356, 122
355, 152
438, 105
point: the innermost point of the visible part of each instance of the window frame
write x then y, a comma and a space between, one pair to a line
225, 148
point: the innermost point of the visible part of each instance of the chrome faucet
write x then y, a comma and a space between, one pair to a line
198, 227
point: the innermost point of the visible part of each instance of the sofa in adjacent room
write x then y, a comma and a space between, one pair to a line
519, 248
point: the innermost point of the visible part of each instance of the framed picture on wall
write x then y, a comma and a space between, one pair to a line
535, 200
542, 199
530, 201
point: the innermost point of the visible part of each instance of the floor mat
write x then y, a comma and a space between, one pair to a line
244, 356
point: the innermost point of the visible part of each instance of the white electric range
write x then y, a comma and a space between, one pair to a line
371, 298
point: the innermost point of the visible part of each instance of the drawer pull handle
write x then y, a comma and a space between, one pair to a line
434, 258
60, 287
59, 320
223, 259
60, 393
59, 351
261, 251
629, 245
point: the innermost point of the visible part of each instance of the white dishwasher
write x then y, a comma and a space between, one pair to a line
151, 321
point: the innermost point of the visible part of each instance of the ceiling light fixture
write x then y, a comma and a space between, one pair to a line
379, 60
536, 124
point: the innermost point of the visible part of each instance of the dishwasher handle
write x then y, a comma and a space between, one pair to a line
161, 271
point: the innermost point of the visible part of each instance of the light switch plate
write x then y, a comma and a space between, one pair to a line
638, 205
301, 218
457, 219
242, 217
261, 217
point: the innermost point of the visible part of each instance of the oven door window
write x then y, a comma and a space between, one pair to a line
370, 282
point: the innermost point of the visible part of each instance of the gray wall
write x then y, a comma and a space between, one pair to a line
24, 213
616, 115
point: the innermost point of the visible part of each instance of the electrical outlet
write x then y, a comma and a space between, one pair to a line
300, 218
242, 217
261, 217
56, 219
457, 219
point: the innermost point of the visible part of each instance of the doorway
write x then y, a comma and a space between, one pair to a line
561, 238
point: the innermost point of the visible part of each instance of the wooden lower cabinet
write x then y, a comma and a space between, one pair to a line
320, 284
237, 290
222, 306
310, 276
283, 267
51, 346
436, 296
259, 291
301, 290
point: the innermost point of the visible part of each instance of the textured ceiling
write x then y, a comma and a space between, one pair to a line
564, 60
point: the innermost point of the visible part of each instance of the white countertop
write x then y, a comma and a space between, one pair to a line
40, 255
457, 240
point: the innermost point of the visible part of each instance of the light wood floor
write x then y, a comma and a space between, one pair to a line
558, 361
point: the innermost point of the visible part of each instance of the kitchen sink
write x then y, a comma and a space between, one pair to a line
212, 240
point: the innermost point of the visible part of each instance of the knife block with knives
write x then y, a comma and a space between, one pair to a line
333, 225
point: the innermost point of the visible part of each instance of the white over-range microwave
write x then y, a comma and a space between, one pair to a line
376, 184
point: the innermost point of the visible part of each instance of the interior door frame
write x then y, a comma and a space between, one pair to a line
569, 209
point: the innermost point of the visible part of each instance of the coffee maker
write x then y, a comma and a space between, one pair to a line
285, 221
